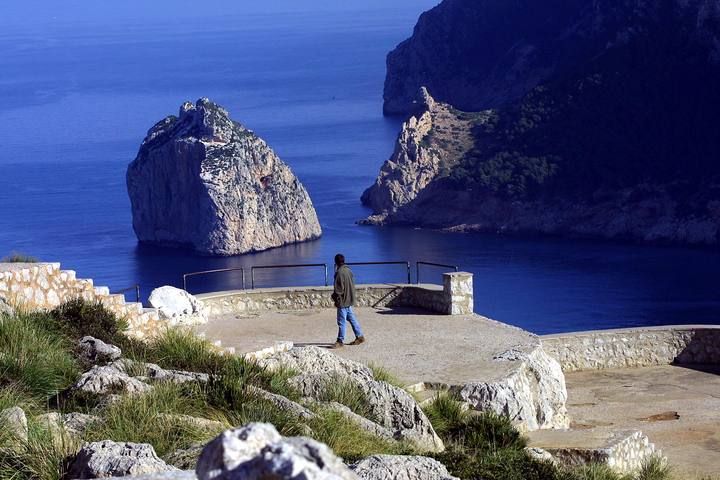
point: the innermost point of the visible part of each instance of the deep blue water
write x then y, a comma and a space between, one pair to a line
81, 84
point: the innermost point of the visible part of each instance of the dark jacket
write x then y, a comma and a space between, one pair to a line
344, 293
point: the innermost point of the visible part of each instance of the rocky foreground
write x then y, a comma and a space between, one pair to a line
581, 119
204, 181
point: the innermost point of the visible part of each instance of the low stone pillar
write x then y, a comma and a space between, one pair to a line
458, 292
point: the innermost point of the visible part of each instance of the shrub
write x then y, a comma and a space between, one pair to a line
77, 318
17, 257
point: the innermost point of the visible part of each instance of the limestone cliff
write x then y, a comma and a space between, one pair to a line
617, 141
427, 146
205, 181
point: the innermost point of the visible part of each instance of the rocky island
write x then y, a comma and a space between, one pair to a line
584, 118
204, 181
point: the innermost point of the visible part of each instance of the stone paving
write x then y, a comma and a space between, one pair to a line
678, 408
414, 345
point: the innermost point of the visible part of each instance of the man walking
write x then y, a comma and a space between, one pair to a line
344, 298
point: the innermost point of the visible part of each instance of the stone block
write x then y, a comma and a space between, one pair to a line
458, 292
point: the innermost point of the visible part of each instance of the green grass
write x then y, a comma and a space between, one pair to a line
33, 360
348, 393
349, 441
381, 374
140, 418
17, 257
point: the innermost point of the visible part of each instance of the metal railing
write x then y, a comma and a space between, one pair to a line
296, 265
431, 264
407, 265
135, 287
219, 270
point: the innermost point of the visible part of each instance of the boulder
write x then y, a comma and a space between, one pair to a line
401, 467
151, 371
205, 181
13, 423
177, 306
258, 452
115, 459
94, 350
311, 360
391, 407
107, 379
533, 395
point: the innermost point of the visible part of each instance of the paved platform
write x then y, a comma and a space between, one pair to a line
414, 345
678, 408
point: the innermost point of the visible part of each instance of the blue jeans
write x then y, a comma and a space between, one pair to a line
344, 314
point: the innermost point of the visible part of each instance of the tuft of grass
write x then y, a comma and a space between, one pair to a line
18, 257
381, 374
656, 468
33, 360
445, 413
344, 391
181, 349
349, 441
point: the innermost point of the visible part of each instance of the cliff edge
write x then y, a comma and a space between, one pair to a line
204, 181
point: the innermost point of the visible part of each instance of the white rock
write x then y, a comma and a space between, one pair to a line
96, 351
178, 306
534, 394
107, 379
14, 422
258, 452
116, 459
401, 467
203, 180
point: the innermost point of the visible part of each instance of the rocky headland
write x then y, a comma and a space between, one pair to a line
585, 119
204, 181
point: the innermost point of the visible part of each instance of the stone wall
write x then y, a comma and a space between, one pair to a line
35, 286
635, 347
455, 297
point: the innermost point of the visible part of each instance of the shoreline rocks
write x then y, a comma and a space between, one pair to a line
204, 181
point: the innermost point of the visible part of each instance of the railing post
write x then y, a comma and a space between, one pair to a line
137, 292
326, 276
408, 272
242, 274
252, 278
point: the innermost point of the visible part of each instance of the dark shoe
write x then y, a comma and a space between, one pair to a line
357, 341
337, 345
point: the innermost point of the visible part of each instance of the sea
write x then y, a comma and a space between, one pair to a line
82, 81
